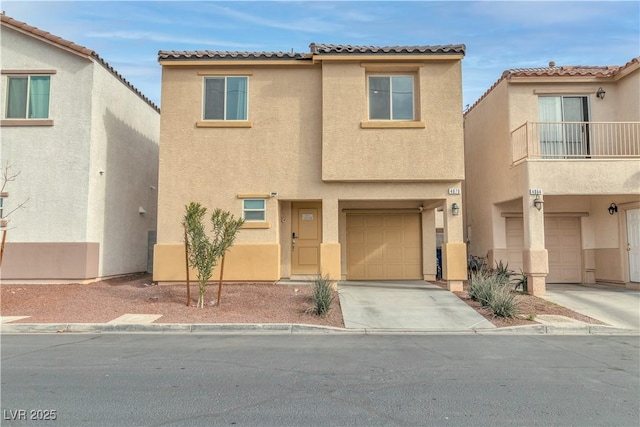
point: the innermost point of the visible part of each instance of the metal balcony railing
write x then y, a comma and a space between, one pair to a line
575, 140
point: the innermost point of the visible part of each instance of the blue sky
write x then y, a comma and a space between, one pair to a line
498, 34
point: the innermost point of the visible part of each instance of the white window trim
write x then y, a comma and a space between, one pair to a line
263, 210
26, 112
224, 112
413, 98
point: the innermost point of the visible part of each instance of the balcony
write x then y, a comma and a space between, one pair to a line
575, 140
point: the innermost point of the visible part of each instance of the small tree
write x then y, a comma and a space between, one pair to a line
7, 177
225, 229
203, 252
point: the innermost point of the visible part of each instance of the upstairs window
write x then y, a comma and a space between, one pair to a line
254, 210
28, 97
225, 98
391, 97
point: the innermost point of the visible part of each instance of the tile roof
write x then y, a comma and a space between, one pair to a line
215, 54
559, 71
575, 70
318, 48
69, 45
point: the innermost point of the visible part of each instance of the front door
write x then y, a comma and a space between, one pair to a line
633, 244
306, 235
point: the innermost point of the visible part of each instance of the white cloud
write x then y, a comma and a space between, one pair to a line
160, 37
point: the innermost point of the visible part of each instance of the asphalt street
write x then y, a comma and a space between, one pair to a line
298, 380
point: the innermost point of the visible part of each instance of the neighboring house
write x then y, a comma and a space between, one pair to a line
85, 142
553, 174
337, 159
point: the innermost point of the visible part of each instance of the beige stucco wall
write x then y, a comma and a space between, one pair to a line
125, 133
350, 153
626, 97
282, 152
490, 179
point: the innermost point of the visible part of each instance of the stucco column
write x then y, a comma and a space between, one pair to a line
535, 259
429, 244
330, 246
454, 250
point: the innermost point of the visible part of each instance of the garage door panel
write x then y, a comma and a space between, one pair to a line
374, 236
355, 237
393, 237
562, 241
515, 243
384, 246
373, 221
356, 253
393, 255
374, 270
394, 221
373, 254
414, 270
564, 245
393, 270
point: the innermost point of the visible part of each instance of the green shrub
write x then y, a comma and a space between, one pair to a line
493, 294
502, 273
482, 288
322, 296
503, 303
521, 282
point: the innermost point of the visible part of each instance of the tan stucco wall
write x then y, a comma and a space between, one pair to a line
355, 154
282, 152
47, 261
259, 262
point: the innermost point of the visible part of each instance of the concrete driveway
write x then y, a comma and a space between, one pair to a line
615, 306
405, 305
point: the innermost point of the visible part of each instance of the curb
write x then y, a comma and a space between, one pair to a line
298, 329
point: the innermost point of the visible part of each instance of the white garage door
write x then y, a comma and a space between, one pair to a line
562, 239
384, 246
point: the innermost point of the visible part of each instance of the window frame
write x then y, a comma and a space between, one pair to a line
263, 210
225, 97
390, 76
28, 77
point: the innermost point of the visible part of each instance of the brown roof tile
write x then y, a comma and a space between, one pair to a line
214, 54
576, 70
318, 48
66, 44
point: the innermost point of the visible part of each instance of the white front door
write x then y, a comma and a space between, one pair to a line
633, 243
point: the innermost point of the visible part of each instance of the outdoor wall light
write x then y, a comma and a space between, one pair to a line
613, 208
455, 209
537, 202
600, 93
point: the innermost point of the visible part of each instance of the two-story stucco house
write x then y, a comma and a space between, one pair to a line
337, 160
85, 144
553, 174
